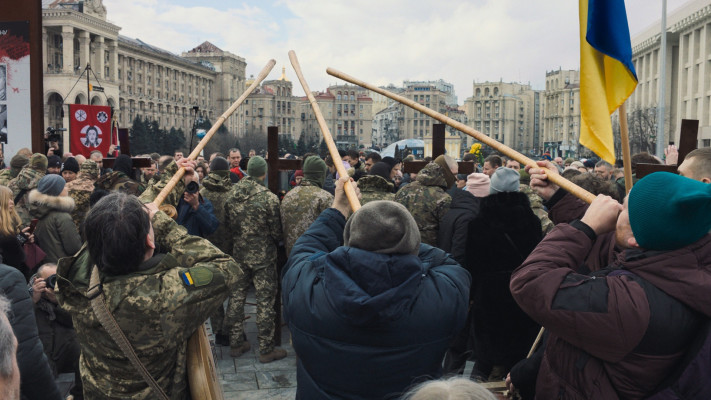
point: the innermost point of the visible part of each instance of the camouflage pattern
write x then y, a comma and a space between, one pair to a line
155, 308
216, 188
300, 208
80, 189
158, 184
117, 181
537, 207
26, 180
5, 177
374, 187
253, 219
427, 201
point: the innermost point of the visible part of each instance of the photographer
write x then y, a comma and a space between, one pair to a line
196, 213
55, 327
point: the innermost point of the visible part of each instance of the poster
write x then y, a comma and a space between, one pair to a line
15, 106
89, 128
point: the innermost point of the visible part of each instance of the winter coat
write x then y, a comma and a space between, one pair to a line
56, 331
453, 235
36, 377
26, 180
13, 254
366, 325
300, 208
612, 336
502, 235
56, 233
200, 222
216, 187
427, 201
117, 181
373, 187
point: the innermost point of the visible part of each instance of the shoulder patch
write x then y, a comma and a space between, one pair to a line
196, 276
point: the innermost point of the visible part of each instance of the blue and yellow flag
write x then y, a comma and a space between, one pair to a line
607, 76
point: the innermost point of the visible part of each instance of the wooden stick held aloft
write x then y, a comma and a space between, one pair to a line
350, 192
181, 171
509, 152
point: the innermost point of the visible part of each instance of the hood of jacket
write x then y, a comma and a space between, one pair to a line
506, 211
375, 183
432, 175
247, 188
108, 181
684, 274
42, 204
218, 181
27, 178
371, 288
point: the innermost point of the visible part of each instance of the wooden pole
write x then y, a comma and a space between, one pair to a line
196, 152
350, 191
509, 152
625, 139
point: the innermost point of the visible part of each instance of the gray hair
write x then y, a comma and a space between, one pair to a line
453, 388
8, 346
603, 163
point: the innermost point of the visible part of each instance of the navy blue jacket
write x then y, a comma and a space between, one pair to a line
201, 222
366, 325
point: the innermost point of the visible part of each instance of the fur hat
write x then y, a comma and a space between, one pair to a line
38, 162
70, 164
478, 184
51, 185
384, 227
504, 180
256, 167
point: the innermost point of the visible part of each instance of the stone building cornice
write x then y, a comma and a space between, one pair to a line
64, 17
169, 58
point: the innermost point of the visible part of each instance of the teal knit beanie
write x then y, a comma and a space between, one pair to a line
256, 167
668, 211
315, 170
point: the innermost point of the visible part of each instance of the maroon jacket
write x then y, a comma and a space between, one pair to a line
612, 336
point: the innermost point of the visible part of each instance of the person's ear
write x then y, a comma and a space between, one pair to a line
632, 242
706, 180
150, 242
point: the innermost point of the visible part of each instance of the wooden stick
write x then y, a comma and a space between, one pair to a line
350, 191
625, 139
535, 342
509, 152
181, 171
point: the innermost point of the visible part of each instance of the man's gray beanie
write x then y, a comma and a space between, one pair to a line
384, 227
504, 180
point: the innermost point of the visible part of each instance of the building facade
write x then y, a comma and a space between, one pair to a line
271, 104
560, 110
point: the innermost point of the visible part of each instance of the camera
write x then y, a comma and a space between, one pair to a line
21, 239
192, 187
51, 281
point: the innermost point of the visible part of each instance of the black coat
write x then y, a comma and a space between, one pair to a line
506, 232
13, 254
36, 378
453, 234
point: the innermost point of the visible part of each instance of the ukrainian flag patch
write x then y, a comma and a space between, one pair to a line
196, 276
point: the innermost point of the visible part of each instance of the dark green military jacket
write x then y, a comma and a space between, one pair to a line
26, 180
374, 187
300, 208
216, 188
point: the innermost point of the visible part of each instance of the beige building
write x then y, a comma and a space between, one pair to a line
138, 79
417, 125
687, 80
505, 112
272, 104
560, 110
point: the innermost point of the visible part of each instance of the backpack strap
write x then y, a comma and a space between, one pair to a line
19, 195
101, 310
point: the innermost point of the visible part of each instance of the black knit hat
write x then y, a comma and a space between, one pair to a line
71, 164
123, 164
54, 161
381, 169
382, 226
219, 164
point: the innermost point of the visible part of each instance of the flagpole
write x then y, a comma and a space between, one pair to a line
625, 139
662, 83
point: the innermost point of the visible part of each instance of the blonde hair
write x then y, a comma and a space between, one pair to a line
455, 388
10, 222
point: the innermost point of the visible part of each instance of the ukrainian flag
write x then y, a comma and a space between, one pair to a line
607, 76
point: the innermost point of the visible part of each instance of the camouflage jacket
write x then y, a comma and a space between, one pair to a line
373, 187
537, 207
216, 188
80, 189
117, 181
6, 177
300, 208
427, 201
158, 308
174, 196
26, 180
252, 218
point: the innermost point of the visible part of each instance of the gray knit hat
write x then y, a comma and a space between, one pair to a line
504, 180
384, 227
51, 184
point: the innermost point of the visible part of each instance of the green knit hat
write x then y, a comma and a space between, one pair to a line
668, 211
38, 161
315, 170
256, 167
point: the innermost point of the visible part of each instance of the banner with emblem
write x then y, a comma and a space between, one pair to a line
89, 129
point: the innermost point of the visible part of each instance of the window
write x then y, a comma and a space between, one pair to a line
707, 143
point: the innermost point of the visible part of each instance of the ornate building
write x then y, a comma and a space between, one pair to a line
272, 104
560, 105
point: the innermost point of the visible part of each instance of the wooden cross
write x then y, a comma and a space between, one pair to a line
688, 139
438, 134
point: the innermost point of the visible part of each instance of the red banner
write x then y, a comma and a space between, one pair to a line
89, 129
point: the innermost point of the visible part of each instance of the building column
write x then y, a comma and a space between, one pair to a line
84, 49
67, 49
113, 60
99, 56
45, 62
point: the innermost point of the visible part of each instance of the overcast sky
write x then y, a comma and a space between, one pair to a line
380, 42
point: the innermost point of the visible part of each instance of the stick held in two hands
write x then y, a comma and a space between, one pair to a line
350, 192
193, 155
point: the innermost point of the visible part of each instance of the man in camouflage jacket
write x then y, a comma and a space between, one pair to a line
377, 184
27, 180
80, 189
427, 198
252, 217
16, 164
157, 299
303, 204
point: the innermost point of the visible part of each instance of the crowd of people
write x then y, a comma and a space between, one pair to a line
436, 268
